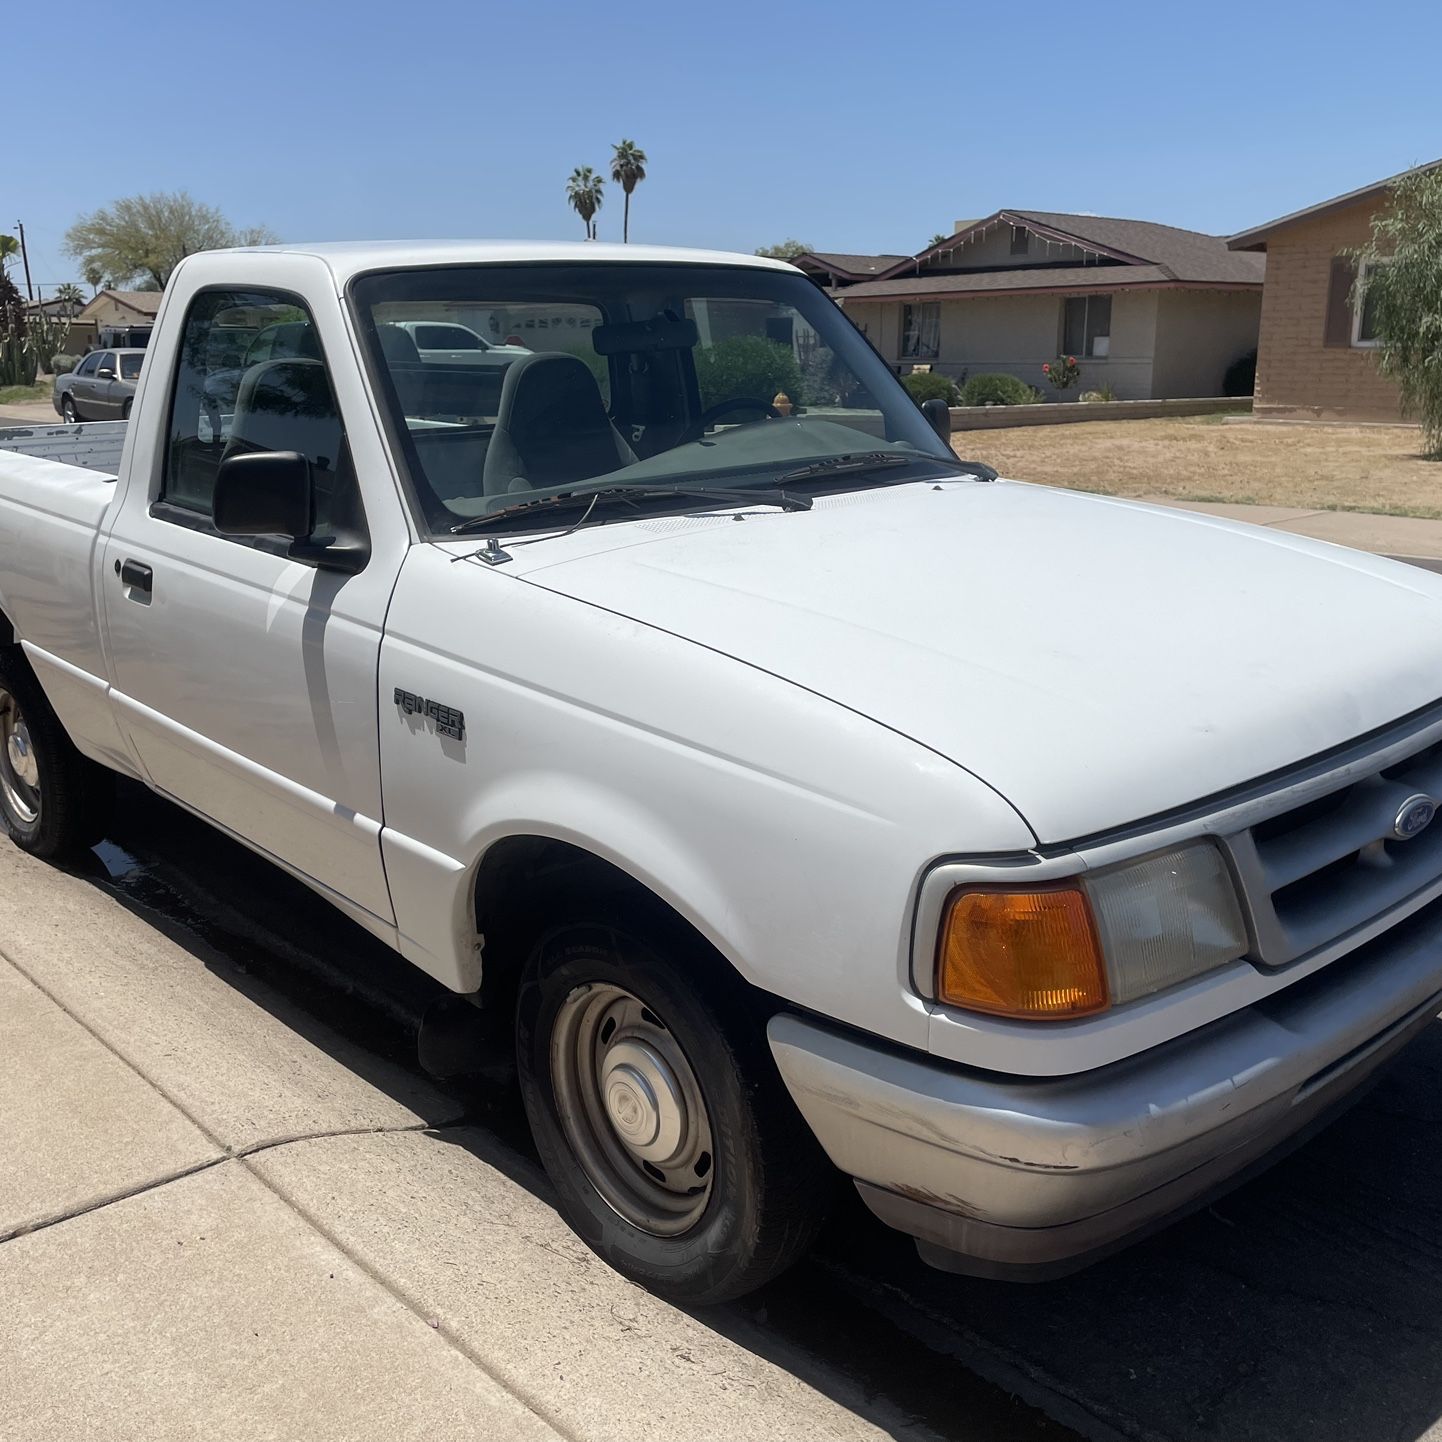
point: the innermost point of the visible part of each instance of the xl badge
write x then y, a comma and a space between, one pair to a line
1414, 816
449, 721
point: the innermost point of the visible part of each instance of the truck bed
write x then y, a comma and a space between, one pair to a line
93, 446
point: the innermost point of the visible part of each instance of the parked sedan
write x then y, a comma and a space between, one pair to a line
100, 388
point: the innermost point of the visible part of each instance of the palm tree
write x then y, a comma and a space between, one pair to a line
9, 247
71, 296
628, 170
583, 190
94, 276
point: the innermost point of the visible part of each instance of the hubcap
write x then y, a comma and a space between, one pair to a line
632, 1109
19, 771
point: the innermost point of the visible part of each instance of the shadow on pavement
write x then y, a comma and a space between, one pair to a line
1307, 1305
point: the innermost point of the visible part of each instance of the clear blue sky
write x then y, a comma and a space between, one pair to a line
850, 126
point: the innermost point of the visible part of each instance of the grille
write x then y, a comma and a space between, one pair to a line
1331, 866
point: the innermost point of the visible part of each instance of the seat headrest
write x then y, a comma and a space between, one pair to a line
397, 345
287, 405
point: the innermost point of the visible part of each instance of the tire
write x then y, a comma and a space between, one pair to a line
53, 801
68, 413
742, 1194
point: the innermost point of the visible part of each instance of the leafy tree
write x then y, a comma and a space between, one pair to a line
142, 238
787, 250
9, 249
584, 192
1399, 285
628, 170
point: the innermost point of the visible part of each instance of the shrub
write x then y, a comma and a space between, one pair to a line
995, 389
1063, 372
62, 365
1241, 376
746, 365
1101, 393
928, 386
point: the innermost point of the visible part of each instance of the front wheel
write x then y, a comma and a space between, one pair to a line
53, 800
658, 1112
68, 411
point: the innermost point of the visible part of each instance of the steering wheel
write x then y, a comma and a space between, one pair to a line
724, 408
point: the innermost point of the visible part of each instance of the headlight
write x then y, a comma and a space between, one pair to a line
1074, 949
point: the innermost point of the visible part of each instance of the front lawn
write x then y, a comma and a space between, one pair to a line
1202, 458
16, 395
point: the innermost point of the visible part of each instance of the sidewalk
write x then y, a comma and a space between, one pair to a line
1406, 538
218, 1219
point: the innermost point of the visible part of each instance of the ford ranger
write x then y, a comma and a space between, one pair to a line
778, 786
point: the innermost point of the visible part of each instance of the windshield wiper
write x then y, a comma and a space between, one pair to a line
878, 460
589, 501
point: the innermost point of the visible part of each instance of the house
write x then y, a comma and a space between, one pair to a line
1315, 355
833, 270
1150, 311
122, 308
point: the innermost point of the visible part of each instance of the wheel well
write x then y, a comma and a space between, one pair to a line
529, 882
7, 631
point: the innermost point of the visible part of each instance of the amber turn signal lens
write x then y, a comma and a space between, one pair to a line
1031, 954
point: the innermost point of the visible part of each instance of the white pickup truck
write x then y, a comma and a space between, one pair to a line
775, 783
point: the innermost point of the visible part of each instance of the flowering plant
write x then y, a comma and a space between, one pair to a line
1063, 372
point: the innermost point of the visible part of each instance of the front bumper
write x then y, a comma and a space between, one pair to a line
998, 1175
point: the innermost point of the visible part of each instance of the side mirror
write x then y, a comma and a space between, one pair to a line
105, 373
938, 413
265, 493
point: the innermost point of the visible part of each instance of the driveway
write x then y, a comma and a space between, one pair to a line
253, 1107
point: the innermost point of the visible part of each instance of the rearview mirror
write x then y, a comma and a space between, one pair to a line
938, 413
264, 493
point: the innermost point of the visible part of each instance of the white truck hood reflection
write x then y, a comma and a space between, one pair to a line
1096, 661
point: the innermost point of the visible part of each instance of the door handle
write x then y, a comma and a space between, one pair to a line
136, 576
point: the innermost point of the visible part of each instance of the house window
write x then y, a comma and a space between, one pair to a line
1364, 316
1086, 328
1019, 240
921, 331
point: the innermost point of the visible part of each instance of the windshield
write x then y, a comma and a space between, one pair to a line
619, 374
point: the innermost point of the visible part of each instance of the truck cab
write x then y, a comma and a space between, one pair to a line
785, 794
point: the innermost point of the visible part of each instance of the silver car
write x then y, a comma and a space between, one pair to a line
100, 388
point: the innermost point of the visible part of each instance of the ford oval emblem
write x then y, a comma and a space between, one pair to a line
1414, 816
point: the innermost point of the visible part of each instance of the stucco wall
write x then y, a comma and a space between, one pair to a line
1199, 334
1018, 333
1296, 373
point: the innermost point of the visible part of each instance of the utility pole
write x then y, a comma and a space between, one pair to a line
25, 257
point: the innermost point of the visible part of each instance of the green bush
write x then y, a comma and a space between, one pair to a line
928, 386
62, 365
997, 390
1241, 376
746, 365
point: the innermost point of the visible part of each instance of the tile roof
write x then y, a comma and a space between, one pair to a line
850, 264
1023, 278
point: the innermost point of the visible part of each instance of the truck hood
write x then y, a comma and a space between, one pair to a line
1095, 661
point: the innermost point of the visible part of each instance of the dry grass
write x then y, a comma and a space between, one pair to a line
1332, 468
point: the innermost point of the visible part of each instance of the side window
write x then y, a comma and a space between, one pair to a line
89, 365
107, 363
231, 399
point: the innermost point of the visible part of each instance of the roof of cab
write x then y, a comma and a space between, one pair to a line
347, 258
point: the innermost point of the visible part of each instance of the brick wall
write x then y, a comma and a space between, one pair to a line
1296, 373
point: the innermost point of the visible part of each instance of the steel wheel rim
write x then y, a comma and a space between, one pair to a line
632, 1109
19, 770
